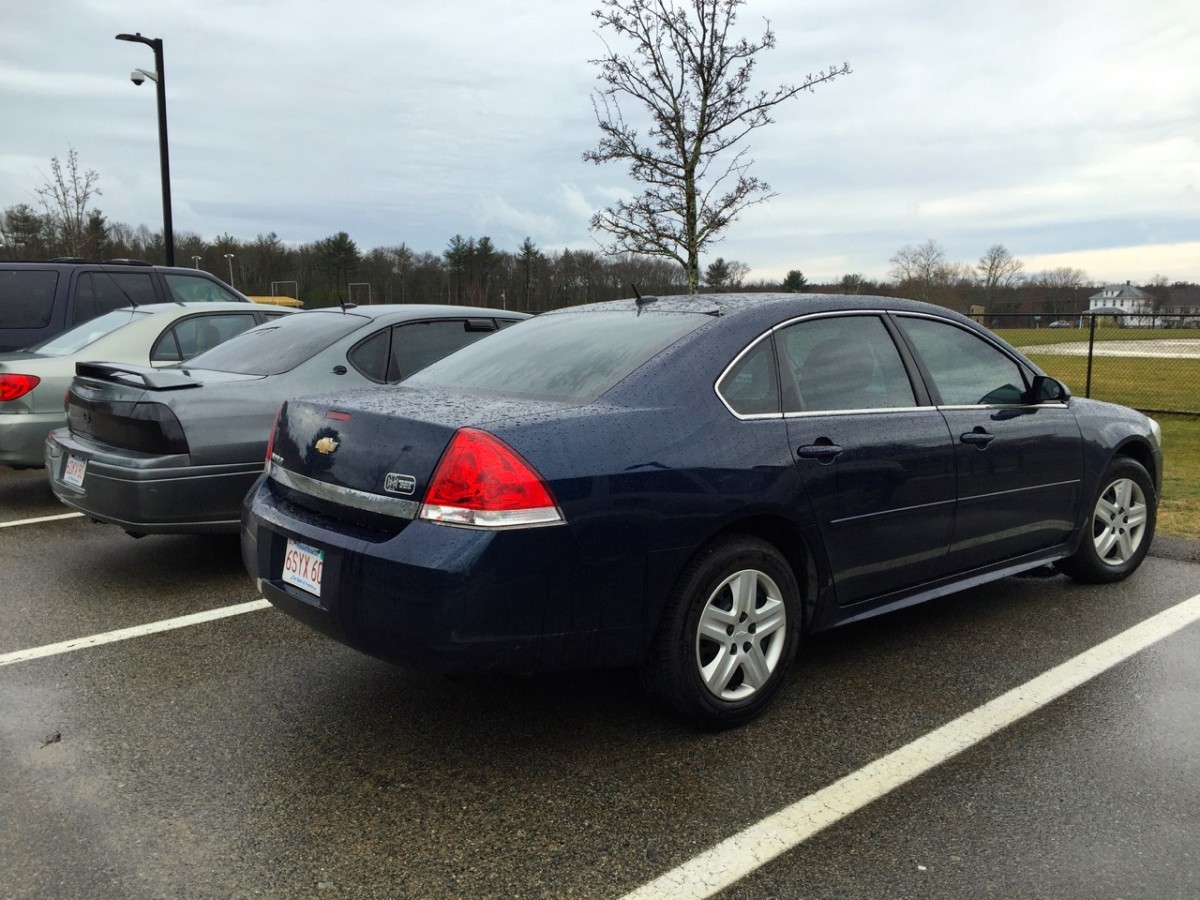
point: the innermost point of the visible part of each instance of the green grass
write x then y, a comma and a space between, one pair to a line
1179, 511
1144, 383
1140, 382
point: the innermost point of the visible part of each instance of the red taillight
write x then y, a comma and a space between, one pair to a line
482, 481
271, 437
14, 386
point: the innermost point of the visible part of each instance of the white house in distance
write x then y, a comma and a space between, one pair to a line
1134, 306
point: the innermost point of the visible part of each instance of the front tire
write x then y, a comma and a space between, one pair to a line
728, 634
1120, 528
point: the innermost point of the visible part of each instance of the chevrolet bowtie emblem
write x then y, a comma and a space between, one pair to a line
326, 445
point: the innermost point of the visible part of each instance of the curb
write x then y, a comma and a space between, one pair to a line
1182, 549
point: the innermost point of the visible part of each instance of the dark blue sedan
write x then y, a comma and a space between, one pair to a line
689, 485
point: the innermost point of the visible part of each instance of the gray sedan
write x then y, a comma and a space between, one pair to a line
175, 451
34, 381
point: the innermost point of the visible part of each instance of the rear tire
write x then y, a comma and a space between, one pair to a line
728, 634
1120, 528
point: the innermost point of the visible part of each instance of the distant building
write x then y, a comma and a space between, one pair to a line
1133, 306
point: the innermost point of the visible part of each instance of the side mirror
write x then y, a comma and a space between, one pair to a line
1048, 390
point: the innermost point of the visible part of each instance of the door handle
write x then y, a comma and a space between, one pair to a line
822, 453
978, 437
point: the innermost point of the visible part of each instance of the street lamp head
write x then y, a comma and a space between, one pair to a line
137, 38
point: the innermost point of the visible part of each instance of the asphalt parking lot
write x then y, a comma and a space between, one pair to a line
245, 756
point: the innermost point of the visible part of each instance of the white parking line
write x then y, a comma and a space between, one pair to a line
125, 634
738, 856
17, 522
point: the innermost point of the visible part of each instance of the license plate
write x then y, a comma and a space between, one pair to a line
74, 470
302, 567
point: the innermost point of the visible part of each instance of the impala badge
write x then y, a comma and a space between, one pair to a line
326, 445
395, 483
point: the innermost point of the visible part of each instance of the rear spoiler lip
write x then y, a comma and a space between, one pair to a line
154, 379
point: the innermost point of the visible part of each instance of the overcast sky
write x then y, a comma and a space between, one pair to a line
1066, 130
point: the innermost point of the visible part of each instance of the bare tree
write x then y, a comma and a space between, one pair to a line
65, 197
918, 263
1061, 288
998, 269
692, 77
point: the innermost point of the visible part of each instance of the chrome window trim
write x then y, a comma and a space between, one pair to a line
746, 417
891, 410
1049, 404
787, 323
1018, 360
375, 503
993, 340
769, 333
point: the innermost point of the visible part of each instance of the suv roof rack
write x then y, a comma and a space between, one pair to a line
125, 262
69, 259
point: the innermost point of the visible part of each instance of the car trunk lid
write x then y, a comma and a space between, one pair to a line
368, 457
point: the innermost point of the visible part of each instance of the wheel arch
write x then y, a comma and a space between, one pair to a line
1141, 452
780, 532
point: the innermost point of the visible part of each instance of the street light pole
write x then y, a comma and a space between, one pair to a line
159, 79
229, 256
195, 262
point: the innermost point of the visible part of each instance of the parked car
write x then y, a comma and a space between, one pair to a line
160, 452
41, 299
688, 485
33, 382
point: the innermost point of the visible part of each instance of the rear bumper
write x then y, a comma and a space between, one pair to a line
148, 494
438, 597
22, 436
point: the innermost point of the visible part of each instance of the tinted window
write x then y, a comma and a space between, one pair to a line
281, 345
843, 362
371, 356
569, 356
26, 298
197, 334
81, 335
197, 289
751, 387
417, 344
966, 369
99, 292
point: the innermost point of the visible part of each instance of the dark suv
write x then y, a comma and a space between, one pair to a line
41, 299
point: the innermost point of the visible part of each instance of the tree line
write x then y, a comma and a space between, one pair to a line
474, 271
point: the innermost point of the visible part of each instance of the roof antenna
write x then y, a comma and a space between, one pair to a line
344, 305
641, 301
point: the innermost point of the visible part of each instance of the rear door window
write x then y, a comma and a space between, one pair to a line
188, 337
393, 354
843, 363
417, 344
26, 298
99, 292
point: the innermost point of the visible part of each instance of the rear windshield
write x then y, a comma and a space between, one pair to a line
89, 332
26, 298
279, 345
571, 356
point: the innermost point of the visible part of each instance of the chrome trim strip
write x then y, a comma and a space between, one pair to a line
375, 503
1050, 404
825, 314
811, 413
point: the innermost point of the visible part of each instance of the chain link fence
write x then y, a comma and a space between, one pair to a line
1145, 360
